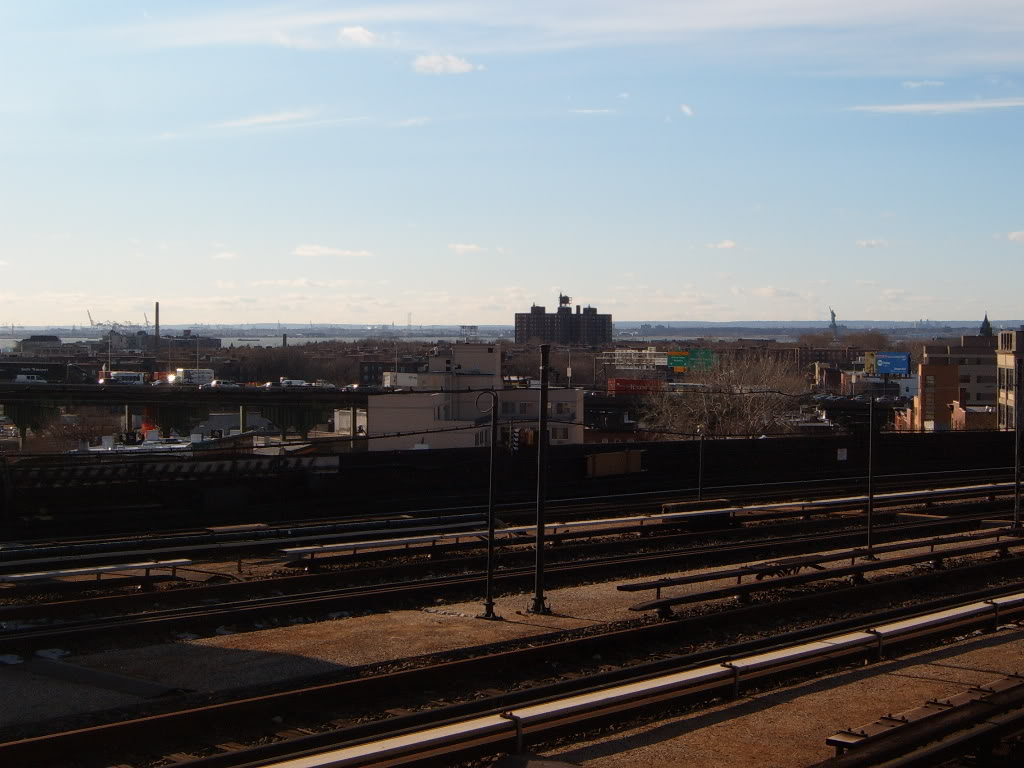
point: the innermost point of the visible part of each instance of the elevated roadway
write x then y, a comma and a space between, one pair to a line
128, 394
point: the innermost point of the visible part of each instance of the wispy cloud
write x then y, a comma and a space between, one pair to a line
1017, 237
771, 292
411, 122
225, 256
311, 249
923, 83
943, 107
723, 244
461, 249
437, 64
871, 243
624, 95
586, 111
360, 36
300, 282
687, 110
275, 118
4, 263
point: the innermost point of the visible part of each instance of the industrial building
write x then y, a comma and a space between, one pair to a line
585, 327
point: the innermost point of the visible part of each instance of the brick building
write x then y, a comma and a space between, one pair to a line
585, 327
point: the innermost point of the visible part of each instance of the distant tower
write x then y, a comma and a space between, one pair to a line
833, 326
986, 327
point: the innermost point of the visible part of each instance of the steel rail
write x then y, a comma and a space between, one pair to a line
121, 736
540, 716
707, 554
378, 595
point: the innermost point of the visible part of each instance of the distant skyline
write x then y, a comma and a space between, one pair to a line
351, 163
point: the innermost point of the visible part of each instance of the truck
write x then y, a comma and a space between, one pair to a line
123, 377
191, 377
29, 378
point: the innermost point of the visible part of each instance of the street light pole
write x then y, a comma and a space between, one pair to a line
489, 590
538, 605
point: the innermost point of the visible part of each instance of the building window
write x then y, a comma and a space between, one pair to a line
559, 433
965, 379
523, 408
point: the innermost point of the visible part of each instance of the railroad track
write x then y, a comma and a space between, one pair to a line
350, 713
253, 540
236, 605
568, 508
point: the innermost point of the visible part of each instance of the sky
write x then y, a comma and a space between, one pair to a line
455, 162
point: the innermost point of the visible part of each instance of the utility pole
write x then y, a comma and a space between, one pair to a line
538, 605
871, 477
489, 591
1017, 370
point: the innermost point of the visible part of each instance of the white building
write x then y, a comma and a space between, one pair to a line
441, 405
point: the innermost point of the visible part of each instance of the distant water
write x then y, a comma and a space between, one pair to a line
7, 345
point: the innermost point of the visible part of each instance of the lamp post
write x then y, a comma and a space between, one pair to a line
489, 589
538, 604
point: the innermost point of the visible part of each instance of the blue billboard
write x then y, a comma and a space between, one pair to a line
893, 364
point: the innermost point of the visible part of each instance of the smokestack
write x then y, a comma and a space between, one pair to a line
284, 339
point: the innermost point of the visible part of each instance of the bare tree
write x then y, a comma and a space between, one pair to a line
741, 395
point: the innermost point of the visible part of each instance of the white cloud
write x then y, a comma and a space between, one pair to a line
943, 107
723, 244
411, 122
358, 36
923, 83
1017, 237
866, 282
686, 109
592, 111
225, 256
624, 95
871, 243
275, 118
461, 249
4, 263
437, 64
310, 249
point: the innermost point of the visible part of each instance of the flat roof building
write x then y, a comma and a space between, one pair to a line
585, 327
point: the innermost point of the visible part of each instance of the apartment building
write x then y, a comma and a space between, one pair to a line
1008, 361
586, 327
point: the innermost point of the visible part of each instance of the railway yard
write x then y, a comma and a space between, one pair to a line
758, 626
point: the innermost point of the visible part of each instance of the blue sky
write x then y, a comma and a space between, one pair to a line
356, 162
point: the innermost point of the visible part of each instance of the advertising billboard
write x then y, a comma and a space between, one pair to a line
888, 363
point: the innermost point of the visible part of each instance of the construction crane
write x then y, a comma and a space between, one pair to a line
91, 321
